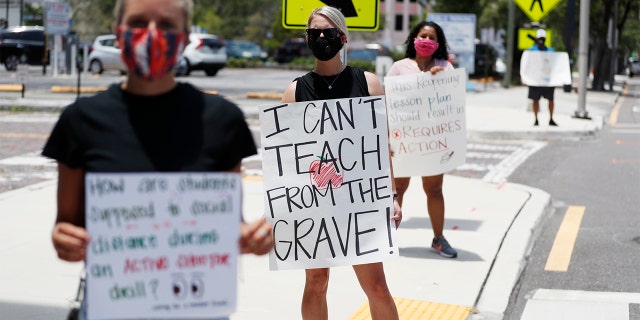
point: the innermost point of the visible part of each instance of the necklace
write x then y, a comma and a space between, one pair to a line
330, 85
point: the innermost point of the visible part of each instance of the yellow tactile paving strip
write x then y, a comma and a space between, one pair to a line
420, 310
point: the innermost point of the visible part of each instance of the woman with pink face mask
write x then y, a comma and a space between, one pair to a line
427, 52
150, 123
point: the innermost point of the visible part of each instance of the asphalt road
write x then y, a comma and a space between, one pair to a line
602, 178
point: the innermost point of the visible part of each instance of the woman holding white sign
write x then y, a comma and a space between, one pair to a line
427, 52
148, 124
331, 79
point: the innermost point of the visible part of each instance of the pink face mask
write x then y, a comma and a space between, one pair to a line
425, 47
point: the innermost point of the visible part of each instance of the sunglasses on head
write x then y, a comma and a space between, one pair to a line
328, 33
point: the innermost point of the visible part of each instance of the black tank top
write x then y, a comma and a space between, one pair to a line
350, 83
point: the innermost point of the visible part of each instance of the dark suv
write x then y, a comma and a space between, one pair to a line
291, 49
21, 45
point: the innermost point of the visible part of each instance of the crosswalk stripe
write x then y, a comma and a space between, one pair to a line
560, 254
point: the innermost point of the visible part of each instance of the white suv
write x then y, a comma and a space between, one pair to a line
204, 52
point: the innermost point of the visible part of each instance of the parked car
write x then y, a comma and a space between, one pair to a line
291, 49
244, 49
105, 55
485, 59
368, 52
633, 66
204, 52
22, 45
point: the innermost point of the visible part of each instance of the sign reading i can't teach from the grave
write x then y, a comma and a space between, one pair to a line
163, 245
427, 122
327, 184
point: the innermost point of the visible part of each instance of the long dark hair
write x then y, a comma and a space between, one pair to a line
441, 53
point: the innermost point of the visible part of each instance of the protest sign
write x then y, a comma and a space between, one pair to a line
163, 245
427, 122
327, 182
545, 69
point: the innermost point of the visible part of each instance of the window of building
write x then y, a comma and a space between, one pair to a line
398, 23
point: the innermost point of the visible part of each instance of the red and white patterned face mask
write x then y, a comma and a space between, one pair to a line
150, 53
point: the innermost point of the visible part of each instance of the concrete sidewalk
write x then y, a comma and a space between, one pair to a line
491, 225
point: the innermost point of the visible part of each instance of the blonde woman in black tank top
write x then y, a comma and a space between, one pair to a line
332, 79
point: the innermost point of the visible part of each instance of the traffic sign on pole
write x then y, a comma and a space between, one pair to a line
537, 9
361, 15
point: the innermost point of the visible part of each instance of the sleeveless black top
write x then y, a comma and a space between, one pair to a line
350, 83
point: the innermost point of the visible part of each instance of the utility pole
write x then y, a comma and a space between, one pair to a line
389, 17
510, 45
614, 45
583, 60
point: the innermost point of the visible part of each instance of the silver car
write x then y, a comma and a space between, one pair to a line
204, 52
105, 55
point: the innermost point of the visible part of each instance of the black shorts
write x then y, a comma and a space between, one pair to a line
536, 92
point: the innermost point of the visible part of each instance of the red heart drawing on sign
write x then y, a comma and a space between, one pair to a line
323, 171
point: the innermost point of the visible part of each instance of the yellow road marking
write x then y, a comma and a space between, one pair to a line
613, 117
265, 95
624, 142
419, 310
252, 178
23, 135
560, 255
11, 87
624, 161
63, 89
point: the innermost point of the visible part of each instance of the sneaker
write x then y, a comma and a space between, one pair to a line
535, 123
553, 123
441, 245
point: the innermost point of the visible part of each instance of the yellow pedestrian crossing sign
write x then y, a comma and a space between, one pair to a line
361, 15
537, 9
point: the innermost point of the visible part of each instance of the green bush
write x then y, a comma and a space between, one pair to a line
363, 64
303, 63
244, 63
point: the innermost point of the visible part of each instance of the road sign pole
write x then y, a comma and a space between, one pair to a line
510, 44
583, 56
388, 23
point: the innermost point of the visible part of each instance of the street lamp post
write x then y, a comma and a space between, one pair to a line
583, 60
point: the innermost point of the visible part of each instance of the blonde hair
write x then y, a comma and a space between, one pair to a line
334, 15
118, 13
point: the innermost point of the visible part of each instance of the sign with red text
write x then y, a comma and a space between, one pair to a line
427, 122
327, 184
163, 245
56, 17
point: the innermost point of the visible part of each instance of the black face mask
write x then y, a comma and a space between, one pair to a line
325, 48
